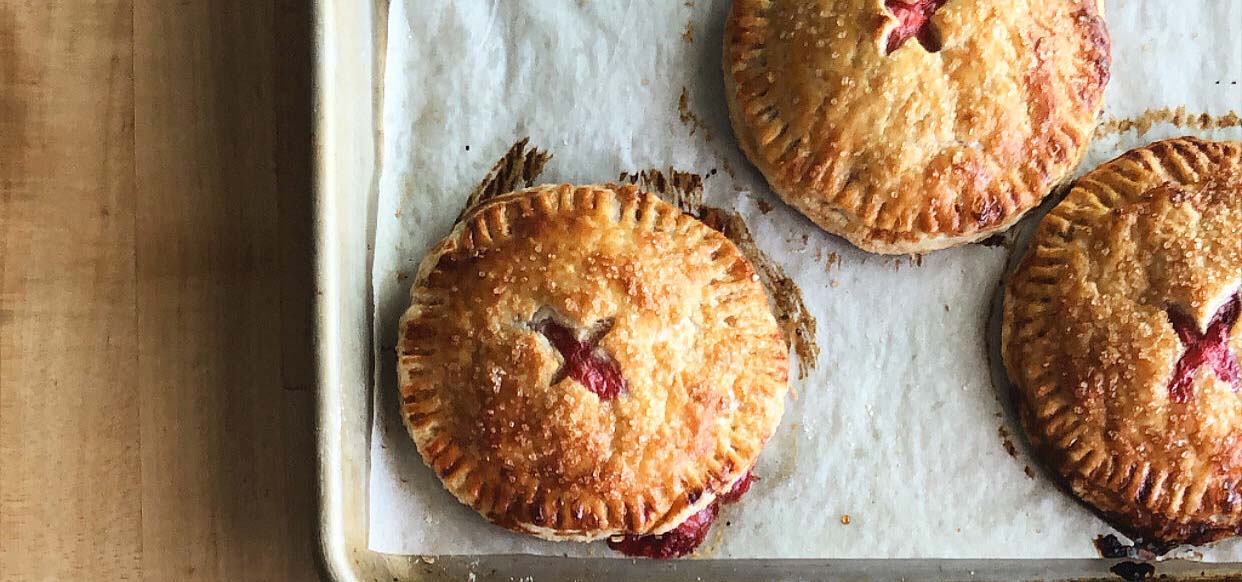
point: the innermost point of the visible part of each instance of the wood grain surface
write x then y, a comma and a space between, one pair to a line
155, 372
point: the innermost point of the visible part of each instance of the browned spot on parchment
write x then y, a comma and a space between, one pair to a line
518, 168
1176, 116
1006, 441
685, 190
681, 189
832, 260
688, 35
692, 119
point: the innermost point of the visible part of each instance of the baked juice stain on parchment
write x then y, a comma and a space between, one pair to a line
681, 189
1006, 441
1176, 116
685, 191
693, 121
517, 169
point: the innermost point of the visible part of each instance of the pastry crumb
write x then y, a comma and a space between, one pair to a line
845, 519
1006, 442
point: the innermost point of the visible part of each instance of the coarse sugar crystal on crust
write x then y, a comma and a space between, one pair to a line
914, 125
586, 362
1121, 335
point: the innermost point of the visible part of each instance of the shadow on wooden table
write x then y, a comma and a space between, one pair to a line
224, 250
294, 71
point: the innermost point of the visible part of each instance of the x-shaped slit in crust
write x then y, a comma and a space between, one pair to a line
1206, 348
585, 361
914, 20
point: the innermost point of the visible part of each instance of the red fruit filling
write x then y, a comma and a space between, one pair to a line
684, 538
739, 489
914, 20
585, 361
1209, 348
677, 542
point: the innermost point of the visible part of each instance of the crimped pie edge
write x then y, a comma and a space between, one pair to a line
1021, 188
1052, 427
442, 455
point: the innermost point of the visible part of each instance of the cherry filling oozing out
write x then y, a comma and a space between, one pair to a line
585, 361
1208, 348
914, 20
684, 538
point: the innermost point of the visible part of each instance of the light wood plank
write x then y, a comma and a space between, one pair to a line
155, 287
69, 446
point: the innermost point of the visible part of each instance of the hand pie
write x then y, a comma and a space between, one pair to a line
1121, 334
914, 125
580, 363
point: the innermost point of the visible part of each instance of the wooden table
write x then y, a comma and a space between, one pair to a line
155, 372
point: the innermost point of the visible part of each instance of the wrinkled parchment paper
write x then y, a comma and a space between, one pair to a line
899, 426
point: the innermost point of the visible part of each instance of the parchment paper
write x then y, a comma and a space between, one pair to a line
900, 426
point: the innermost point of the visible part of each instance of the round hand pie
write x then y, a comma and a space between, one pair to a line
589, 362
913, 125
1121, 333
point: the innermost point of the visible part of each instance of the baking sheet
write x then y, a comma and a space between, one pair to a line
899, 425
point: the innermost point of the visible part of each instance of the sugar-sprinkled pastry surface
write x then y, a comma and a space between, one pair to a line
913, 125
1121, 333
585, 362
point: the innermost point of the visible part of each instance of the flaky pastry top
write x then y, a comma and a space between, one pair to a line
537, 295
949, 137
1109, 325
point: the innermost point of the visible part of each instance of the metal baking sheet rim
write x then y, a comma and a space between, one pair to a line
349, 38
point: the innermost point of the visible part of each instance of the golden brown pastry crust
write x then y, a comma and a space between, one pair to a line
915, 150
705, 366
1089, 340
